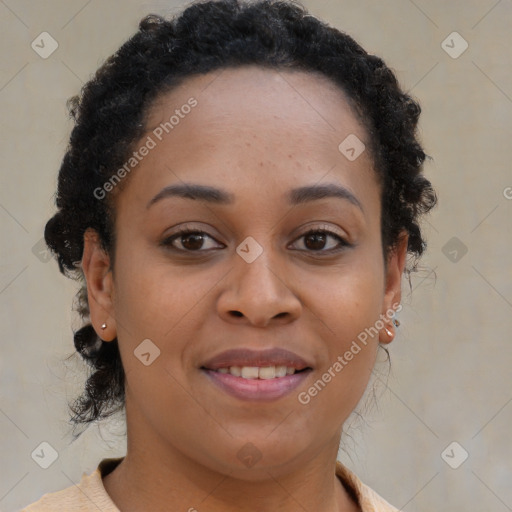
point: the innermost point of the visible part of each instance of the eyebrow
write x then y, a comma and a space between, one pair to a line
215, 195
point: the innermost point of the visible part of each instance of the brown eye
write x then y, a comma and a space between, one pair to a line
190, 240
316, 240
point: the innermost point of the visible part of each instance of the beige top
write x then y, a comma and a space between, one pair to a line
90, 494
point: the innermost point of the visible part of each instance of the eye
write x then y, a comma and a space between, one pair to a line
190, 239
193, 240
315, 240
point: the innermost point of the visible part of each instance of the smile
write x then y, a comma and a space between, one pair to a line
263, 375
255, 372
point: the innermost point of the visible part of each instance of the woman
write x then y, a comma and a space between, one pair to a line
240, 193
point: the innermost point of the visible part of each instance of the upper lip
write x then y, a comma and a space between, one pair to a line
261, 358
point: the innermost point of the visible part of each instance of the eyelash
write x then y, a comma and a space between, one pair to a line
186, 231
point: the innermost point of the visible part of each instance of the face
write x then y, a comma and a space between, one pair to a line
275, 276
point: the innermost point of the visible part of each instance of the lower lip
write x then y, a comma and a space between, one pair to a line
259, 390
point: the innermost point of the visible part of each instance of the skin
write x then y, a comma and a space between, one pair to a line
256, 133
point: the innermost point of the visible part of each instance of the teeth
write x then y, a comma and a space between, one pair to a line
250, 372
236, 371
268, 372
281, 371
256, 372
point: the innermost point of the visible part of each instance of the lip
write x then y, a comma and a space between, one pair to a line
248, 357
259, 390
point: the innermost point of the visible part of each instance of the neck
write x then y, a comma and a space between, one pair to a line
154, 475
134, 487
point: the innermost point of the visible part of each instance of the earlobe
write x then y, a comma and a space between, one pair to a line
393, 289
98, 275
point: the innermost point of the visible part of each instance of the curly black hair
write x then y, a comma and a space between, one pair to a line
110, 113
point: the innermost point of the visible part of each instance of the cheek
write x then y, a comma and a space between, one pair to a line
347, 308
151, 295
345, 301
152, 307
163, 303
350, 338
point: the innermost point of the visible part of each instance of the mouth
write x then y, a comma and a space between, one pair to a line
257, 375
258, 372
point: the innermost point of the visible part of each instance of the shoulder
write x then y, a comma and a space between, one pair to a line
369, 500
88, 495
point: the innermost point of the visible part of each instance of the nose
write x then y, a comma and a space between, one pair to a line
258, 293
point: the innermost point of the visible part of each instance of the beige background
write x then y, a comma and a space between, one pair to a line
452, 359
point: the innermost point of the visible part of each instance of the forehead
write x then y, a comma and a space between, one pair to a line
305, 98
256, 129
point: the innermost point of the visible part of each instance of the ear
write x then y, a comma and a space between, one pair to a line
98, 275
393, 287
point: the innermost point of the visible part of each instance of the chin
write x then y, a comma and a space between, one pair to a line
259, 459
